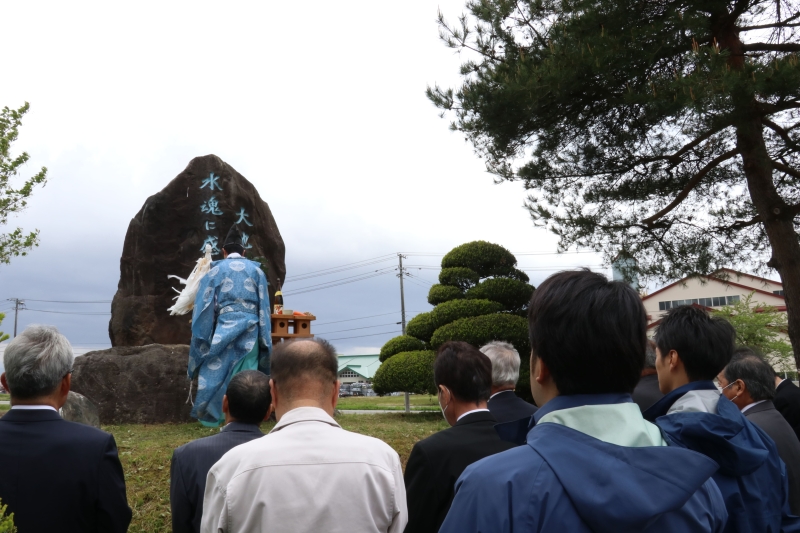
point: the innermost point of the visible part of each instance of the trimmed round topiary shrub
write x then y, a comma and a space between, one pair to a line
460, 277
453, 310
512, 293
519, 274
403, 343
406, 372
478, 330
485, 258
444, 293
421, 327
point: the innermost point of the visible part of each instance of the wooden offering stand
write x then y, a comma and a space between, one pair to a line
291, 327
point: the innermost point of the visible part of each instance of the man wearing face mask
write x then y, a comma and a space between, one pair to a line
463, 377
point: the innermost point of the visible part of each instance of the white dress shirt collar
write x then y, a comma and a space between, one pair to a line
500, 392
304, 414
234, 255
32, 407
470, 412
746, 407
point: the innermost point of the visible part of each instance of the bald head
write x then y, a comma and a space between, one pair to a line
304, 370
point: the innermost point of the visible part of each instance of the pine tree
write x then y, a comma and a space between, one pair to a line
662, 129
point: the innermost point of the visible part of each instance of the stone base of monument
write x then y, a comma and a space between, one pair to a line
136, 384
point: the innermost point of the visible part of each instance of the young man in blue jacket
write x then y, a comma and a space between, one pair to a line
591, 463
691, 349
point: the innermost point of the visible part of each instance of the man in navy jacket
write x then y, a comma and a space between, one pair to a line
691, 349
54, 475
591, 463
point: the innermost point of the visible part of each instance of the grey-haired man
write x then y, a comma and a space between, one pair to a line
54, 475
504, 404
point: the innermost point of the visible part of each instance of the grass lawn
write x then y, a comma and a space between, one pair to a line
5, 397
419, 402
145, 452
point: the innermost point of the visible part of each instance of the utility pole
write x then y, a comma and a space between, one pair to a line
17, 309
403, 318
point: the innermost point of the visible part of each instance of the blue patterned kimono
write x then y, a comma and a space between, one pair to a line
230, 332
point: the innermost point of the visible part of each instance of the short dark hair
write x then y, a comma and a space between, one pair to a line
248, 396
590, 332
704, 343
299, 360
234, 249
756, 373
463, 369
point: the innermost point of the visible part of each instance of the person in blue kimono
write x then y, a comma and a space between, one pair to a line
589, 462
230, 328
691, 349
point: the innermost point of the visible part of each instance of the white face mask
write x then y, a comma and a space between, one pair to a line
448, 403
728, 385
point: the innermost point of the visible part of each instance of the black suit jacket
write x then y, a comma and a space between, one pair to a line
190, 465
787, 401
60, 476
765, 416
436, 463
647, 392
506, 406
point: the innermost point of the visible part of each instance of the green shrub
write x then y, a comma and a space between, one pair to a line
453, 310
443, 293
460, 277
512, 293
6, 521
478, 330
485, 258
406, 372
403, 343
421, 327
518, 274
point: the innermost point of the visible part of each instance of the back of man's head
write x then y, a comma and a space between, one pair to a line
304, 369
464, 370
756, 374
590, 332
505, 363
650, 355
248, 396
36, 361
704, 344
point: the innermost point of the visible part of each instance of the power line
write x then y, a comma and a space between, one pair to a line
360, 336
69, 302
353, 329
346, 266
363, 317
336, 283
66, 312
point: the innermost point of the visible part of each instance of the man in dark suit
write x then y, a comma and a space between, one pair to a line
647, 391
749, 382
504, 405
54, 475
463, 377
245, 405
787, 402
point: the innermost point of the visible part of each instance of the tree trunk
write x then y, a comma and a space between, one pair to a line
773, 210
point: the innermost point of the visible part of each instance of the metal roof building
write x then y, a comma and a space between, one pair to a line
358, 368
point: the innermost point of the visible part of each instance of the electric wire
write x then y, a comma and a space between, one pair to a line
364, 317
353, 329
68, 302
346, 266
361, 336
64, 312
336, 283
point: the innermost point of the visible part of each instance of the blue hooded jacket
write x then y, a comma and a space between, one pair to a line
563, 480
751, 476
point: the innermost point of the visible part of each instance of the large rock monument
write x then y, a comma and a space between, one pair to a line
168, 236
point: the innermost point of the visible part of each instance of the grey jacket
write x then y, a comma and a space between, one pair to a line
765, 416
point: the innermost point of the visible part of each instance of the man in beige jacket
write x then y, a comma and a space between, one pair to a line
308, 474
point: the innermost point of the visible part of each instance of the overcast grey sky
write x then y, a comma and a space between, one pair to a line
321, 105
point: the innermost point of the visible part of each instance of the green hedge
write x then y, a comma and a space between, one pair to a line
6, 521
451, 311
403, 343
460, 277
421, 327
444, 293
478, 330
512, 293
485, 258
406, 372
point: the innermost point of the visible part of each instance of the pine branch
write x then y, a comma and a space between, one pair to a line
785, 168
771, 47
781, 132
696, 179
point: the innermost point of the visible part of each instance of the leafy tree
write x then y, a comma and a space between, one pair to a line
479, 293
402, 343
13, 200
668, 130
6, 521
3, 336
406, 372
759, 326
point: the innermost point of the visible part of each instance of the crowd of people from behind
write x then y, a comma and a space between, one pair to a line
710, 443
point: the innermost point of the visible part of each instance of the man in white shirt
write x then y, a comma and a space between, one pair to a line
308, 474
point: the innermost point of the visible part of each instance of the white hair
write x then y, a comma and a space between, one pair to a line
505, 362
36, 361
